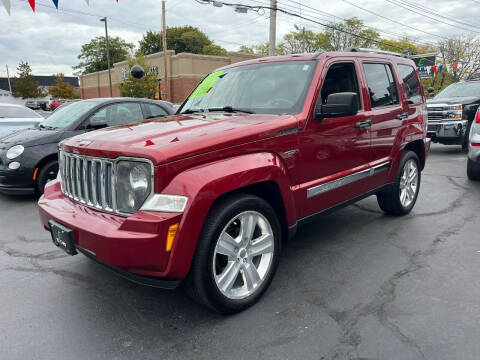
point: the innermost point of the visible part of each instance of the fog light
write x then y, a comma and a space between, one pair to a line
14, 165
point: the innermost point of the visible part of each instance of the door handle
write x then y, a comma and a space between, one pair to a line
363, 124
402, 116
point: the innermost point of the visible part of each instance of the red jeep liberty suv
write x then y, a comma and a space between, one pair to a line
206, 196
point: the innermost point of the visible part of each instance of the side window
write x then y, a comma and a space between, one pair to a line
117, 114
381, 84
412, 85
156, 111
341, 77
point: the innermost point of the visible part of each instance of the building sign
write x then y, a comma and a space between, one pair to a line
126, 71
425, 61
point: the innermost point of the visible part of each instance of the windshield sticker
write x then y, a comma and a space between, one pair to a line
206, 85
306, 67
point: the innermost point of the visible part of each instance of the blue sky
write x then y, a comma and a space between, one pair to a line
50, 40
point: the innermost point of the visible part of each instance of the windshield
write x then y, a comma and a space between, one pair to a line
268, 88
65, 116
460, 89
17, 112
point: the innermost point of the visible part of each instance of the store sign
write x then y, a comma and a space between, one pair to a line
126, 71
425, 61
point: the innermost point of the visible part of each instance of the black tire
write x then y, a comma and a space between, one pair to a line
466, 137
46, 173
473, 170
200, 284
389, 199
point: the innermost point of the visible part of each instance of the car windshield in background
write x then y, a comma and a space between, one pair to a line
267, 88
17, 112
460, 89
68, 115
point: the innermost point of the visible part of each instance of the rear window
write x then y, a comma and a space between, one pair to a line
412, 85
381, 84
17, 112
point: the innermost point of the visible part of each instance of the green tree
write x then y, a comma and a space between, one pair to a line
403, 46
215, 50
351, 33
25, 85
138, 88
181, 39
295, 41
62, 89
93, 56
246, 49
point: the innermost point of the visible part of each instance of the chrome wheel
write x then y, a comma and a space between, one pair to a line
243, 255
408, 183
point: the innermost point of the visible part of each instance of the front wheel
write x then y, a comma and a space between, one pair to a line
400, 197
237, 254
46, 173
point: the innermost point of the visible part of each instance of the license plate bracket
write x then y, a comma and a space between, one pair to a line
63, 237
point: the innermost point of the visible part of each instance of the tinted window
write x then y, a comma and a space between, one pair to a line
381, 85
17, 112
341, 77
412, 86
156, 111
266, 88
117, 114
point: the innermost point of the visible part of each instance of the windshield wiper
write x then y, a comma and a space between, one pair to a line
230, 109
47, 127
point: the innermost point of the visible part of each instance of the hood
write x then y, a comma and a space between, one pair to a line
29, 137
466, 100
179, 136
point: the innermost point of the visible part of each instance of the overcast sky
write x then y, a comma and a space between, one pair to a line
50, 40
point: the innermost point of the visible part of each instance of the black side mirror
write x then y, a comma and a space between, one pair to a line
96, 124
430, 90
338, 104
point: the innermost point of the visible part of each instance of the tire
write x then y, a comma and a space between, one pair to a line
473, 170
390, 199
46, 173
466, 137
219, 275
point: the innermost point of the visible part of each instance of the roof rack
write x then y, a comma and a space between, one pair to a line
377, 51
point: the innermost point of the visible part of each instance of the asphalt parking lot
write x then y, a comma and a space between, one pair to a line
354, 285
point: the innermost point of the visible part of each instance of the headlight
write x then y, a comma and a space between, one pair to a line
15, 151
455, 111
166, 203
133, 185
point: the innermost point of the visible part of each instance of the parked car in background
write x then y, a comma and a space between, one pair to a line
451, 113
16, 117
32, 104
67, 102
55, 104
34, 152
473, 162
257, 149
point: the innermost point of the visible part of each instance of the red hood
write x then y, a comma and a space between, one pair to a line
178, 136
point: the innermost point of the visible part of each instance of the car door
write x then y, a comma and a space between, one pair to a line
386, 111
335, 151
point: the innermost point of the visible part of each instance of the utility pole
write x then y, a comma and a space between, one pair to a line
108, 56
164, 45
273, 27
8, 77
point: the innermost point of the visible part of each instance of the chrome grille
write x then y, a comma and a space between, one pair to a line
437, 113
88, 180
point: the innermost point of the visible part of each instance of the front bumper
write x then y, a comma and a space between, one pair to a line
447, 131
133, 247
16, 182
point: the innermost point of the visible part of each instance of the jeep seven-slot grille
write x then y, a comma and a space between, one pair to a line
88, 180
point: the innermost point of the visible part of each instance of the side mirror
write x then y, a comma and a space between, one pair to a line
431, 91
95, 124
338, 104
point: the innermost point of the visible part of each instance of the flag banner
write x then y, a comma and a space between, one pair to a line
32, 4
56, 3
6, 3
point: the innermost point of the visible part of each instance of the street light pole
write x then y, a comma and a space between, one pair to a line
9, 84
273, 27
108, 56
164, 45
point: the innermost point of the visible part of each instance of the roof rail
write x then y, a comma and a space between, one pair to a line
377, 51
317, 54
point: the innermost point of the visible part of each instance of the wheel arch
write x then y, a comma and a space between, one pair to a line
43, 161
418, 147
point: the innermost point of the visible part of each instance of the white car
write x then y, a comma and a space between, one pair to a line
16, 117
473, 164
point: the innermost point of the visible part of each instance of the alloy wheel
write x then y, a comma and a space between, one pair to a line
408, 183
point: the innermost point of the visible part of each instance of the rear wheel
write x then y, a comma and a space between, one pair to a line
237, 254
400, 197
46, 173
473, 170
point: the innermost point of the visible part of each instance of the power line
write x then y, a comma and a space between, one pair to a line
429, 17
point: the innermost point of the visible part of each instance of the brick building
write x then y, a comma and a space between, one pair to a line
185, 71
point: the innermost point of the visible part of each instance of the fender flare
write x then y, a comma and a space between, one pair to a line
205, 183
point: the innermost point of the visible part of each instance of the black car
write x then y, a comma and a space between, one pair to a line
451, 113
28, 158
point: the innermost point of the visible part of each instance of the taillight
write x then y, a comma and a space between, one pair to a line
477, 117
